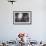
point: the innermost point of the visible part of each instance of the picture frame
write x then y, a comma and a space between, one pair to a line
22, 17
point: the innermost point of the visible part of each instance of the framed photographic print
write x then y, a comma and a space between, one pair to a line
22, 17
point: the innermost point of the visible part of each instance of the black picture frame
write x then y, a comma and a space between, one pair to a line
24, 19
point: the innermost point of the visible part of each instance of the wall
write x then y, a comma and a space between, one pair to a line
9, 31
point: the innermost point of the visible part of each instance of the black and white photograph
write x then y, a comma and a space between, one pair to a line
22, 17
